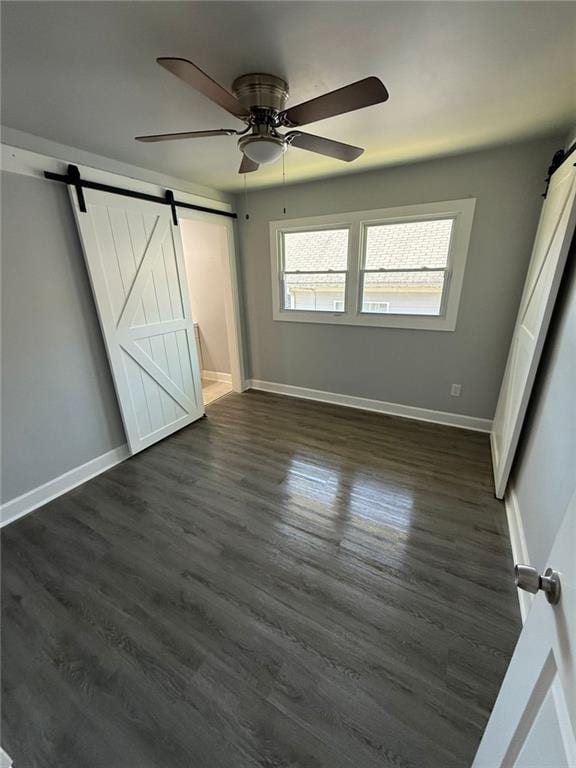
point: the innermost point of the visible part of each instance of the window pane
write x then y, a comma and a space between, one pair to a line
410, 245
406, 293
322, 250
316, 293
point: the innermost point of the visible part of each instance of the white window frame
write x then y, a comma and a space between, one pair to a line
461, 211
281, 271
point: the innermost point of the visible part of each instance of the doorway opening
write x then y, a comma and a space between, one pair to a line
207, 247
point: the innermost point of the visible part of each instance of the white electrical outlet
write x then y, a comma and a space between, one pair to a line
455, 390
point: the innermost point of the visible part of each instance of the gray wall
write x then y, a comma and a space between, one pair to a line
58, 404
544, 475
396, 365
205, 247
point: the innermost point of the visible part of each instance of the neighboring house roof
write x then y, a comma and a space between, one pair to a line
410, 245
407, 245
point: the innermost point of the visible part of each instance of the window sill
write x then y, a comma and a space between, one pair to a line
407, 322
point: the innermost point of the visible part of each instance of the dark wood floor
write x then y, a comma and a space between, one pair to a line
282, 584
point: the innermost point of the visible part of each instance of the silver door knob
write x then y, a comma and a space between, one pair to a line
529, 579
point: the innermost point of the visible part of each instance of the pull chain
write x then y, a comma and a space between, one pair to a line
247, 216
284, 182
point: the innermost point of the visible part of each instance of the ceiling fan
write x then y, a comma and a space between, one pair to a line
259, 100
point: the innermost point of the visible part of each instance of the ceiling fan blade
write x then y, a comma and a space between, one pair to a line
202, 82
363, 93
247, 165
187, 135
323, 146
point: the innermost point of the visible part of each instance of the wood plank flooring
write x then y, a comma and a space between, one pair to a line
283, 584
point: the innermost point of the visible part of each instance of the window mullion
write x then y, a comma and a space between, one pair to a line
352, 294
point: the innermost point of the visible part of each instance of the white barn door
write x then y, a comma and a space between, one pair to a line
533, 723
551, 246
134, 257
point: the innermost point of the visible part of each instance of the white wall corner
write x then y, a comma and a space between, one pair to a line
377, 406
37, 497
518, 544
5, 760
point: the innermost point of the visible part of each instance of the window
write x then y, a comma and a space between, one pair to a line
398, 267
375, 306
407, 262
314, 267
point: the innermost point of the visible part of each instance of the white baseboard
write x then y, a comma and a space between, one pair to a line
378, 406
41, 495
518, 544
226, 378
5, 760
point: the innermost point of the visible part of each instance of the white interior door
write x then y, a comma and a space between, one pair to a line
551, 246
134, 257
533, 723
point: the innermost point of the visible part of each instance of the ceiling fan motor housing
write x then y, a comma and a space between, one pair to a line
264, 96
259, 91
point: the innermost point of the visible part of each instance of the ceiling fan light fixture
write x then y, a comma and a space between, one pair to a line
262, 149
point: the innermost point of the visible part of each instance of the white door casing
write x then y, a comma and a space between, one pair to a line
231, 294
551, 246
533, 723
134, 257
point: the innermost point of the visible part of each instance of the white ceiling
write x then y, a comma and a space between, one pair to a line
461, 75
